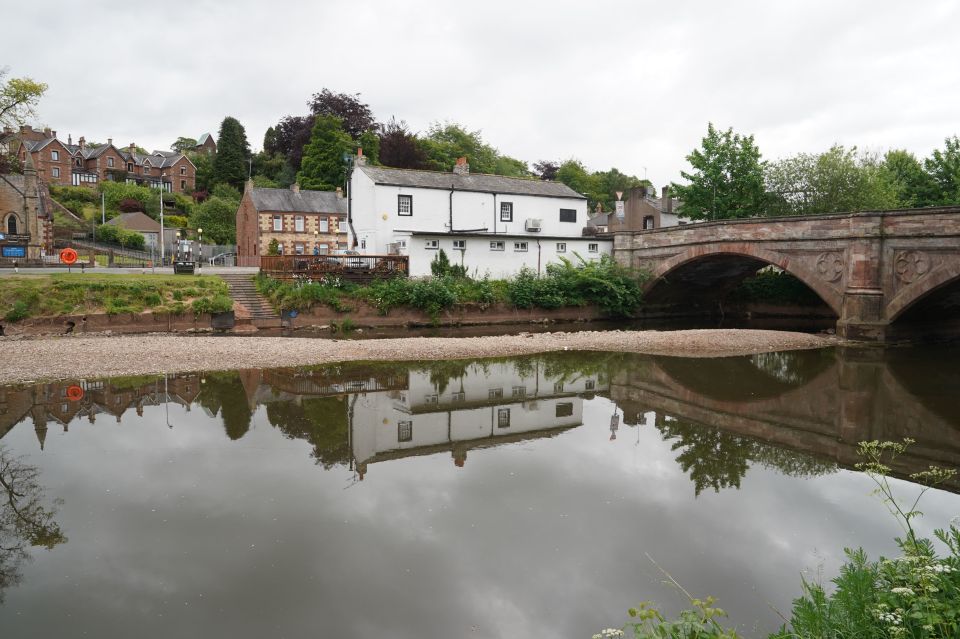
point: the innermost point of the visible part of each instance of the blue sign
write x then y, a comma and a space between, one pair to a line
14, 251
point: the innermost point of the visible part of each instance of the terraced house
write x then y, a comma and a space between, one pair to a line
82, 164
301, 222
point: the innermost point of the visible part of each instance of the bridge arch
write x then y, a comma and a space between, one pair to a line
936, 281
832, 297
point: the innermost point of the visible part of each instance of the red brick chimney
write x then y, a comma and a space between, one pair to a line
461, 167
82, 142
132, 148
361, 159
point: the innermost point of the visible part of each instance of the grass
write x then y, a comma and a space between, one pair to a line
26, 296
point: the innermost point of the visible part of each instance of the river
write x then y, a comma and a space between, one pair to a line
524, 497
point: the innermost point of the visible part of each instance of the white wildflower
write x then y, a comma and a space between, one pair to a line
903, 591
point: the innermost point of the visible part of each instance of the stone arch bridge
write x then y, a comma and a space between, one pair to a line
885, 274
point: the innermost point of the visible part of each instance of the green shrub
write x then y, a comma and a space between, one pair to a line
217, 304
774, 287
19, 311
432, 296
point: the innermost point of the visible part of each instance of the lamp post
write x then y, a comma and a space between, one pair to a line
316, 242
200, 249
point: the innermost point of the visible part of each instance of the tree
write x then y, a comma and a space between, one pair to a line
18, 99
546, 170
944, 167
369, 141
726, 181
444, 144
575, 175
399, 148
218, 219
204, 175
323, 168
182, 145
291, 134
914, 186
835, 181
355, 116
230, 165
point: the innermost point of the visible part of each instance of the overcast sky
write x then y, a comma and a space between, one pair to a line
624, 84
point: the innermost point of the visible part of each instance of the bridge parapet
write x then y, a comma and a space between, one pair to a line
869, 267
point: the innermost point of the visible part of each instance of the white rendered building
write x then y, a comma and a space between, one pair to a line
493, 225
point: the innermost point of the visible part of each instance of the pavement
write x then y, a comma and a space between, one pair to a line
105, 270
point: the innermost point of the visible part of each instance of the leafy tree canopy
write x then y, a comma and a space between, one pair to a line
445, 143
400, 148
725, 180
355, 116
182, 145
218, 219
18, 99
233, 152
914, 186
323, 168
944, 167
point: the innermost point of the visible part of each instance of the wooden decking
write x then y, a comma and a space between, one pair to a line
354, 268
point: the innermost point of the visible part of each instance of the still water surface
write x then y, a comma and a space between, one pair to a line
498, 498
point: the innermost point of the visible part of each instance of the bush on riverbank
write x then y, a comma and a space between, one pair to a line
28, 296
914, 596
604, 283
774, 287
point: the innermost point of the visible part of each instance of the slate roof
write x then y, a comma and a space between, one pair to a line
286, 200
202, 138
471, 182
136, 221
600, 219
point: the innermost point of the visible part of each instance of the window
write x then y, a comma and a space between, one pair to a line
405, 205
431, 399
558, 387
55, 171
363, 243
432, 244
458, 396
298, 249
183, 170
565, 409
459, 245
55, 156
648, 222
589, 385
324, 224
568, 215
323, 248
298, 224
404, 431
78, 162
520, 247
12, 225
519, 391
146, 170
495, 393
280, 249
503, 418
110, 162
593, 247
561, 247
129, 167
496, 246
506, 211
402, 244
277, 223
183, 185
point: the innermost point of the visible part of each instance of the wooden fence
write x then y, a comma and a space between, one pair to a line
354, 268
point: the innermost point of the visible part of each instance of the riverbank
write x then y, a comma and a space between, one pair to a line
104, 356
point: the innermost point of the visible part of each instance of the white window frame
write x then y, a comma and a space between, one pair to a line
55, 171
298, 249
404, 199
324, 225
299, 224
521, 247
55, 155
503, 418
506, 211
561, 247
593, 247
183, 170
431, 245
110, 162
459, 245
497, 246
278, 223
402, 244
146, 170
363, 243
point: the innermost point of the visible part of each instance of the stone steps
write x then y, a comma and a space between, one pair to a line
244, 291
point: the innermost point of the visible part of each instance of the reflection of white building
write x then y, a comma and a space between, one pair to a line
491, 403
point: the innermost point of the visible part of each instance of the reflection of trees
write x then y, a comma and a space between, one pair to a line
223, 393
716, 459
24, 520
320, 421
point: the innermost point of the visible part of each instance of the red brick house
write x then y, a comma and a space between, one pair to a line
302, 222
206, 144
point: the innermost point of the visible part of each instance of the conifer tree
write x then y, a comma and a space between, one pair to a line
233, 152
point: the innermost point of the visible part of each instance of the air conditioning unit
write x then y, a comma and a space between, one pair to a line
533, 224
393, 248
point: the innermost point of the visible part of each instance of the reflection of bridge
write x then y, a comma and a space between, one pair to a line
876, 271
825, 406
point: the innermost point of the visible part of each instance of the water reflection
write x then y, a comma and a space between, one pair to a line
481, 493
26, 519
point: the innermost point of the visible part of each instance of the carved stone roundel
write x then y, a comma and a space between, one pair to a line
911, 266
830, 266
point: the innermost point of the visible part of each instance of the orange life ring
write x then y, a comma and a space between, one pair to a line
68, 256
74, 393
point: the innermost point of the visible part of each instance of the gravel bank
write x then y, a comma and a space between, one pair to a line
87, 357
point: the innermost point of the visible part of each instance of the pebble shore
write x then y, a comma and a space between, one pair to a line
71, 357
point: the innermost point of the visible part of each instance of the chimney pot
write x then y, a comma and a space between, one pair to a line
110, 141
70, 139
340, 191
461, 167
46, 132
53, 134
295, 187
82, 142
